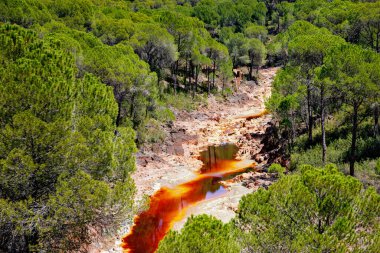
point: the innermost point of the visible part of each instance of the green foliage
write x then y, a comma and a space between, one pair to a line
207, 11
308, 51
153, 132
27, 57
64, 165
162, 34
196, 232
314, 210
356, 73
276, 168
113, 31
256, 52
76, 14
324, 74
130, 78
235, 44
72, 91
16, 174
299, 28
78, 201
25, 13
16, 224
344, 18
183, 102
318, 209
155, 45
256, 31
338, 146
356, 70
337, 153
377, 168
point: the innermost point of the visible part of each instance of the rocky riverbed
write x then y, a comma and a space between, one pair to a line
228, 121
241, 119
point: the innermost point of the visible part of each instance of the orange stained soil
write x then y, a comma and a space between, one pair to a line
169, 205
254, 116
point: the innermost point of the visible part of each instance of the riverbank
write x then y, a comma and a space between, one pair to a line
241, 119
176, 160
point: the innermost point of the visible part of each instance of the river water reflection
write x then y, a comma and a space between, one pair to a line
169, 205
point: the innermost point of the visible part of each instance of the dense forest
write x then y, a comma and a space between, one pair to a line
85, 83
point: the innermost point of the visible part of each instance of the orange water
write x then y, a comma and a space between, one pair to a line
254, 115
169, 205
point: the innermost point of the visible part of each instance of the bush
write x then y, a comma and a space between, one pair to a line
201, 234
151, 132
315, 210
336, 153
366, 173
377, 167
183, 101
64, 164
276, 168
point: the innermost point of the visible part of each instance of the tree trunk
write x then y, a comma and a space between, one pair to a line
185, 76
158, 84
223, 84
132, 109
175, 84
376, 112
257, 75
293, 133
176, 67
309, 112
172, 72
118, 118
196, 78
250, 70
175, 76
213, 75
353, 141
323, 125
191, 75
208, 80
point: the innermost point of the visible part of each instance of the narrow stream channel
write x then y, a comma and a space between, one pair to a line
169, 205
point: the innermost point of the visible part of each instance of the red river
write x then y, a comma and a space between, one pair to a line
169, 205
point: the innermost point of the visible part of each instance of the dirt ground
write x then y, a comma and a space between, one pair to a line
240, 119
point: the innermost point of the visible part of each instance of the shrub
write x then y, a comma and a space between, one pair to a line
201, 234
315, 210
377, 167
276, 168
